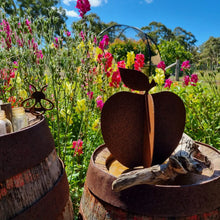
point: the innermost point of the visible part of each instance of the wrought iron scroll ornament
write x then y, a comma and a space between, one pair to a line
37, 96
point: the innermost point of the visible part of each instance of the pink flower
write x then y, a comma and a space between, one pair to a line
28, 25
95, 40
77, 146
161, 65
194, 79
104, 43
83, 6
168, 83
90, 95
186, 80
68, 33
139, 61
185, 65
109, 58
99, 102
82, 35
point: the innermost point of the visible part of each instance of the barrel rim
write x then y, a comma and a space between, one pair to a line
34, 142
177, 199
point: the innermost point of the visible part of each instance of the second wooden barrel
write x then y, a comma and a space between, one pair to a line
190, 197
33, 182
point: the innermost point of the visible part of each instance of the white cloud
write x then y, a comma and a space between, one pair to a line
72, 13
149, 1
96, 3
67, 2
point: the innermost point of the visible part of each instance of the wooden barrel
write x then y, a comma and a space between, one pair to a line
33, 182
189, 197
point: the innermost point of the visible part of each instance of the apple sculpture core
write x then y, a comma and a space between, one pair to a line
142, 129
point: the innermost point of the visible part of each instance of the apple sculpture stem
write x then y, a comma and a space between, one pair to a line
142, 129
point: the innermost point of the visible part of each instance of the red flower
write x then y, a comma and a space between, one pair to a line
139, 61
77, 146
194, 79
161, 65
186, 80
83, 6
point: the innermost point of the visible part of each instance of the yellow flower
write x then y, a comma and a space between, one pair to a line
95, 125
130, 59
66, 115
159, 77
18, 81
46, 78
23, 93
81, 106
97, 52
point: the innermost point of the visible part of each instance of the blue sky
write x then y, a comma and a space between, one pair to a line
200, 17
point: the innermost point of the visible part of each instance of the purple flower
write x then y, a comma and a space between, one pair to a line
83, 6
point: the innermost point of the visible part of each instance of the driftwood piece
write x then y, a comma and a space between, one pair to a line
186, 158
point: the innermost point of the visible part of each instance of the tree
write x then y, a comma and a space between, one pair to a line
94, 23
158, 31
186, 39
172, 50
210, 53
36, 8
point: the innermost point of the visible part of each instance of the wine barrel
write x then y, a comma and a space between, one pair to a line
189, 197
33, 182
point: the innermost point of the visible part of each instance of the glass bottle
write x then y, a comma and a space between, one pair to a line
5, 124
19, 118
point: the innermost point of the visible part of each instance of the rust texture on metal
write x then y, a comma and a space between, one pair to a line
142, 129
38, 96
51, 206
24, 149
160, 200
92, 207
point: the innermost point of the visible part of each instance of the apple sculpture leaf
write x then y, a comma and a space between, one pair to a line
142, 129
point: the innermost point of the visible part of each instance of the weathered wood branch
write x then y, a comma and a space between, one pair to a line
186, 158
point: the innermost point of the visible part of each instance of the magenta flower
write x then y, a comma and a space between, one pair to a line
99, 102
77, 146
82, 35
83, 6
161, 65
185, 65
68, 33
28, 25
186, 80
194, 78
104, 43
168, 83
90, 95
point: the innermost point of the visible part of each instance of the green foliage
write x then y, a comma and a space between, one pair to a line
172, 50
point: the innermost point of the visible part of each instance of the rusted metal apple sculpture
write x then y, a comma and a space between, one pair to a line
142, 129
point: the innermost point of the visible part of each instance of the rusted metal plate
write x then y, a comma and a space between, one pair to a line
24, 149
122, 123
92, 207
142, 129
169, 115
158, 200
